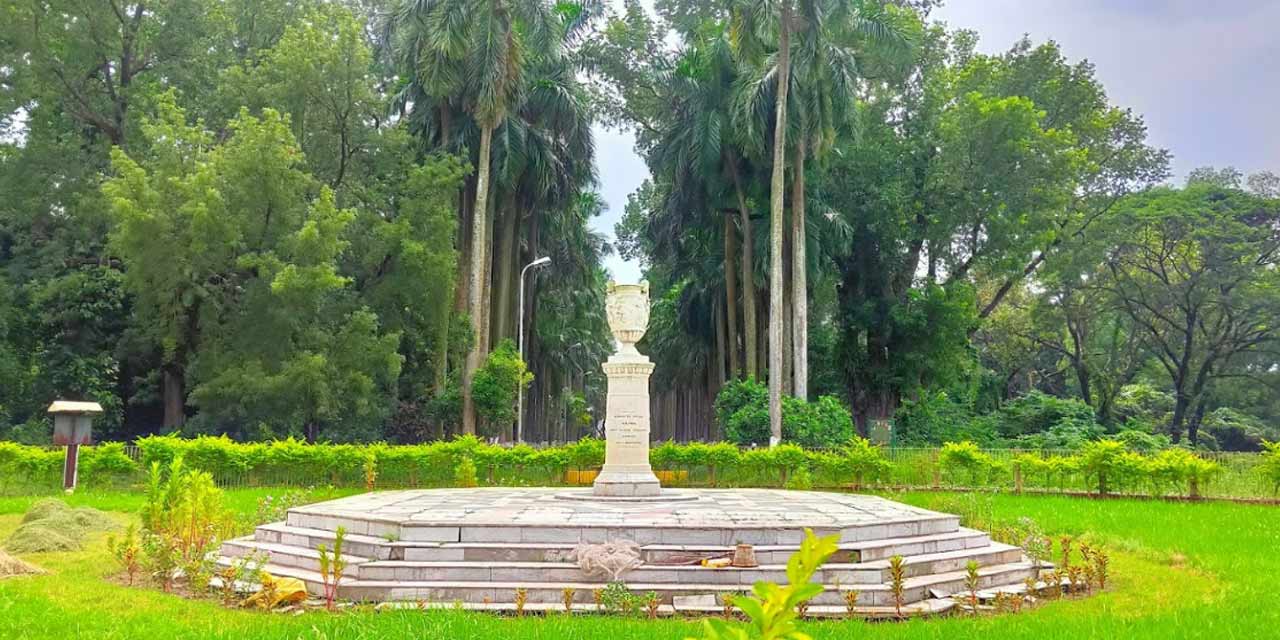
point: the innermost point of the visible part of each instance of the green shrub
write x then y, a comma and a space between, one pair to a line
934, 417
1143, 442
865, 460
1179, 467
496, 384
1107, 460
1037, 412
742, 408
966, 458
106, 463
822, 424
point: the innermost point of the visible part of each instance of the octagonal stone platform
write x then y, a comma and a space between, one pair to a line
477, 546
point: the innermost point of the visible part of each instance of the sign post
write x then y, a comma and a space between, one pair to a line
72, 426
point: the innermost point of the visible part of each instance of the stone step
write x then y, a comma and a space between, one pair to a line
514, 532
886, 548
914, 589
284, 554
831, 573
392, 549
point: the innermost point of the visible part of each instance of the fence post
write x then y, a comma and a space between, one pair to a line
937, 472
1017, 478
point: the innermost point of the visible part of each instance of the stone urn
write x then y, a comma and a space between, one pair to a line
627, 309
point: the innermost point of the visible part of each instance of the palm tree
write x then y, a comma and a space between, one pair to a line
472, 56
827, 34
833, 37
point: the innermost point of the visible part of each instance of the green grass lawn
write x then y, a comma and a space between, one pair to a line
1180, 570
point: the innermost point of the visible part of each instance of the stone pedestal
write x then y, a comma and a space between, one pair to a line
626, 472
626, 469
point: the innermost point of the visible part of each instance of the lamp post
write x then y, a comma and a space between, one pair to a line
540, 262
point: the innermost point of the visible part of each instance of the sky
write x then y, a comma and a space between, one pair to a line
1205, 75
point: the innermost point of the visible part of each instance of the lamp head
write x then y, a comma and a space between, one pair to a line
541, 262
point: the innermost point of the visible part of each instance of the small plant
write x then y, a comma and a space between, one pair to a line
726, 605
897, 580
566, 596
160, 555
971, 583
1053, 584
1065, 564
332, 566
617, 599
597, 597
802, 609
391, 536
127, 552
247, 568
774, 608
851, 601
1001, 602
370, 469
1016, 601
521, 598
1032, 584
651, 604
1101, 561
1075, 575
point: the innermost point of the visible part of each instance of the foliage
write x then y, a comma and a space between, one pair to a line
464, 473
332, 566
966, 457
496, 384
1107, 460
742, 408
183, 521
618, 600
772, 610
127, 552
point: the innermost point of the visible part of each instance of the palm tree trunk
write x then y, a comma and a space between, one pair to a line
504, 291
777, 313
731, 300
799, 280
478, 292
749, 331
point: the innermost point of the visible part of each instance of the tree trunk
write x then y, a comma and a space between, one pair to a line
731, 299
721, 347
749, 331
173, 386
504, 277
777, 312
477, 295
799, 280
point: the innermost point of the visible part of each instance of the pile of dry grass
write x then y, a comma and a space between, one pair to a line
11, 566
51, 525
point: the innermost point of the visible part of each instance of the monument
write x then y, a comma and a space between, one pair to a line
480, 547
626, 472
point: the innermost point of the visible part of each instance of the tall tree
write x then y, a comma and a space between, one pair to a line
1196, 270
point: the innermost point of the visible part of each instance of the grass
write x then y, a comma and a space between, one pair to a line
1180, 570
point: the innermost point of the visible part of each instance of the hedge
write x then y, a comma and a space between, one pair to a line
1103, 466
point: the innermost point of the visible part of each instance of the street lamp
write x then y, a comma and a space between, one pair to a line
540, 262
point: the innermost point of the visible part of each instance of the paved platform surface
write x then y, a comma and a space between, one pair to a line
535, 507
